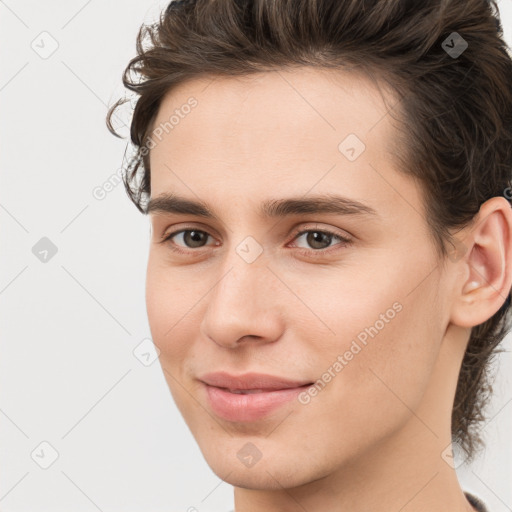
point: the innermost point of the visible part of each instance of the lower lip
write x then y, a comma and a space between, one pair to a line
249, 407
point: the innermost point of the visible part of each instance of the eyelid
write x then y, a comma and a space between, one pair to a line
316, 227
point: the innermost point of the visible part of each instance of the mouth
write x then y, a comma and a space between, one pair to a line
257, 382
248, 405
247, 391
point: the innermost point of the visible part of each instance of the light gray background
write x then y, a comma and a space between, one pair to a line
69, 327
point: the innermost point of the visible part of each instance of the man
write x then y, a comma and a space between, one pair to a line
330, 263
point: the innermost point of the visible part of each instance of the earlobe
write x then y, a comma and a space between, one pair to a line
486, 266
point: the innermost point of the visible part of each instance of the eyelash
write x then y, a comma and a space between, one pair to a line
305, 252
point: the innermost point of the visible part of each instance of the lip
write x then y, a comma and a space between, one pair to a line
273, 392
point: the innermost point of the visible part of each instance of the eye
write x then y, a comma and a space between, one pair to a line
194, 237
320, 239
316, 238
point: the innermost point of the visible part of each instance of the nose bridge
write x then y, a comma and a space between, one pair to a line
243, 279
240, 303
244, 269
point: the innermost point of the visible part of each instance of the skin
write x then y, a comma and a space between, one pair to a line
372, 439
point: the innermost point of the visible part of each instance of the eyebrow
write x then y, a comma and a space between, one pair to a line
270, 208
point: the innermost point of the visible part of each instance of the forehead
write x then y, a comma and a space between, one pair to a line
299, 105
281, 130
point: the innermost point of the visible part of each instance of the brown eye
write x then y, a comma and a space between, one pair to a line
191, 239
319, 240
194, 238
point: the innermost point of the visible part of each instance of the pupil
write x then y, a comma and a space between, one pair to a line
316, 237
195, 236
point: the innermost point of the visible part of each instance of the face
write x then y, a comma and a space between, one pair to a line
347, 300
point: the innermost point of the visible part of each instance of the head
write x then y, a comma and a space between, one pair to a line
393, 307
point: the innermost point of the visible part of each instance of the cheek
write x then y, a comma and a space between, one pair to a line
169, 304
386, 366
383, 338
169, 308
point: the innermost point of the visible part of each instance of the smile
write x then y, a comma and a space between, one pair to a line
248, 404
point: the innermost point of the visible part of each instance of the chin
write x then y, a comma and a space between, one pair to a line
234, 461
260, 477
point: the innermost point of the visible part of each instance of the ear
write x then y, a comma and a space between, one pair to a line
484, 265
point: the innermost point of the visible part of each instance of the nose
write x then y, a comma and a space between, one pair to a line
244, 305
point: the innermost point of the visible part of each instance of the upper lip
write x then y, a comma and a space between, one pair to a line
250, 381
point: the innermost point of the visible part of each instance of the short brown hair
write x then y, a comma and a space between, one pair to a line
455, 106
